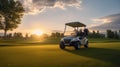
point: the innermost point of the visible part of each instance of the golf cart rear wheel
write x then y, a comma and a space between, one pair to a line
86, 45
77, 45
62, 46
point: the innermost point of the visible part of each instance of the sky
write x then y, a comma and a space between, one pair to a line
51, 15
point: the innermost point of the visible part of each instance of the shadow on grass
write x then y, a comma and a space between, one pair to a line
6, 45
26, 44
107, 55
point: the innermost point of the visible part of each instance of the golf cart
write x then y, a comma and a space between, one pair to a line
74, 40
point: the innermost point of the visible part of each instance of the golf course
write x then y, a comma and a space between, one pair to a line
101, 54
59, 33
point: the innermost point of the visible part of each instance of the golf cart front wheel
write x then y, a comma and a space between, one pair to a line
86, 45
77, 45
62, 46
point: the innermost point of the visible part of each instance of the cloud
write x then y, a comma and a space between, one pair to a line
107, 22
99, 21
37, 6
107, 19
104, 20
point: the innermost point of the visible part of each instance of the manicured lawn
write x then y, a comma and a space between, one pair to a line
50, 55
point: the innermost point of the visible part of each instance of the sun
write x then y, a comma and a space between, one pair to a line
37, 32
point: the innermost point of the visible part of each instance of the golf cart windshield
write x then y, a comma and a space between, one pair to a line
73, 27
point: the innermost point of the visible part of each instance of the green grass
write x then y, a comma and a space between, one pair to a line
50, 55
24, 42
102, 40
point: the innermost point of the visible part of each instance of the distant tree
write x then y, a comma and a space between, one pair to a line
26, 35
34, 36
12, 11
20, 35
17, 35
119, 34
9, 35
53, 35
45, 35
116, 36
98, 32
61, 35
57, 34
110, 34
94, 32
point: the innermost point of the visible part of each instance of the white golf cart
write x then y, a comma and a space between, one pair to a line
74, 40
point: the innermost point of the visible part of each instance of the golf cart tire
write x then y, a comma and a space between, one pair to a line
86, 45
62, 46
76, 46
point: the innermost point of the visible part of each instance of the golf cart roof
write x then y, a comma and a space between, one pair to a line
75, 24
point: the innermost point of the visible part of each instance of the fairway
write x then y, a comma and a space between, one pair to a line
98, 54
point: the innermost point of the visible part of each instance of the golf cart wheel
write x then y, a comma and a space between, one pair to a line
77, 45
86, 45
62, 46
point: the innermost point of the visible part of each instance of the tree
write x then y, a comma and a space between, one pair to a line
9, 35
17, 35
116, 36
26, 35
57, 34
119, 34
94, 32
12, 11
110, 34
98, 32
45, 35
53, 35
62, 35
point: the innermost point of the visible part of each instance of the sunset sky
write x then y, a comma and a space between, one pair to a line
51, 15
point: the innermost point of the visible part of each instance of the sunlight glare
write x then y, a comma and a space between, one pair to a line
37, 32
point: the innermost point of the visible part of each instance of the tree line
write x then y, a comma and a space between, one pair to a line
94, 34
113, 34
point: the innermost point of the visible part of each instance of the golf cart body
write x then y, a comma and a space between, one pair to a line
75, 41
